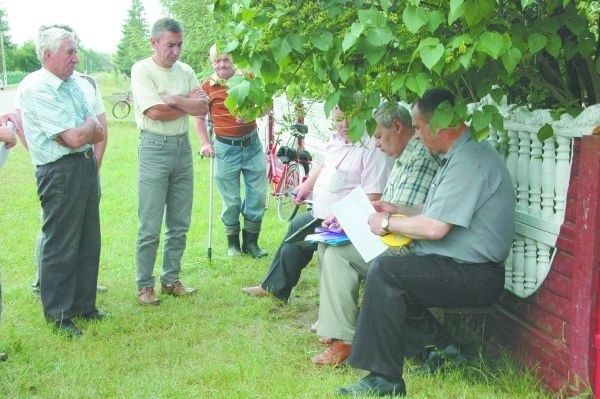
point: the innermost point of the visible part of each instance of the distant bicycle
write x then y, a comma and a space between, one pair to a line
122, 108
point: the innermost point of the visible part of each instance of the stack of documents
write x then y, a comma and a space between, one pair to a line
328, 237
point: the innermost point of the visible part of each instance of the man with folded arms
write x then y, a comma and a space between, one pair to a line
462, 237
92, 95
165, 92
60, 129
342, 267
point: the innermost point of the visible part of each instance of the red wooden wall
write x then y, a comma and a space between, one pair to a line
555, 330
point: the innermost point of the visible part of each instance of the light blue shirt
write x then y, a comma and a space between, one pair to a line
50, 106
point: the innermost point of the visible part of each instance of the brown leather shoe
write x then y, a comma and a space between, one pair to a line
176, 289
334, 355
146, 296
256, 291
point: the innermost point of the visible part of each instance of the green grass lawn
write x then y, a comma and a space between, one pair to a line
218, 343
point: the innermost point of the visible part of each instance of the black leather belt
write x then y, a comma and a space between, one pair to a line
83, 154
245, 140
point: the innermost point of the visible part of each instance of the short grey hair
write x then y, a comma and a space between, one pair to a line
50, 40
164, 24
386, 113
60, 26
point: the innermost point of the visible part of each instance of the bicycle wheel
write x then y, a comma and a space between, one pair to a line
286, 208
121, 109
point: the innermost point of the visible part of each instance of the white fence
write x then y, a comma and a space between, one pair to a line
540, 173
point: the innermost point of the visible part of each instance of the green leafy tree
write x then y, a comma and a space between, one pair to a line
7, 45
135, 43
94, 61
23, 58
541, 53
5, 29
200, 31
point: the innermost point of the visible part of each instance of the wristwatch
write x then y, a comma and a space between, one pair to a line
385, 223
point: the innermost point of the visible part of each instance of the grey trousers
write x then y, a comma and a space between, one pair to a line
165, 188
342, 270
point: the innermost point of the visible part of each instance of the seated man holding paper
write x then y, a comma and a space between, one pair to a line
344, 167
343, 267
462, 237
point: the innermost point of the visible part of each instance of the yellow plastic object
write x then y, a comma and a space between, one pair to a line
393, 240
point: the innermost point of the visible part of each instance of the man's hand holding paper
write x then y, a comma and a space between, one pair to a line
353, 214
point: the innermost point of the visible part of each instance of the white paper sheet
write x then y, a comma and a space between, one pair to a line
353, 214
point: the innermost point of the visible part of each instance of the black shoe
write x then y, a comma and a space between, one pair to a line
250, 244
374, 385
67, 327
95, 315
436, 358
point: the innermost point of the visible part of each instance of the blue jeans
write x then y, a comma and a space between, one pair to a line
165, 188
249, 161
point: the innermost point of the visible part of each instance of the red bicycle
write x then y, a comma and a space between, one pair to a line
288, 166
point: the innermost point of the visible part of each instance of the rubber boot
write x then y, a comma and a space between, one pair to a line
250, 244
233, 244
250, 239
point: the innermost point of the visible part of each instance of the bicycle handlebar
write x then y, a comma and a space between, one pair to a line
299, 130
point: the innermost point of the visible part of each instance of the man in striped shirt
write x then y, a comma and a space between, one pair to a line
60, 129
342, 267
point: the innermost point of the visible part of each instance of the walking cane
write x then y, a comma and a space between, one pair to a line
210, 190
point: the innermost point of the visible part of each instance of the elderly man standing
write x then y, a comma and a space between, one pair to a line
60, 129
165, 93
342, 267
92, 95
463, 235
238, 152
